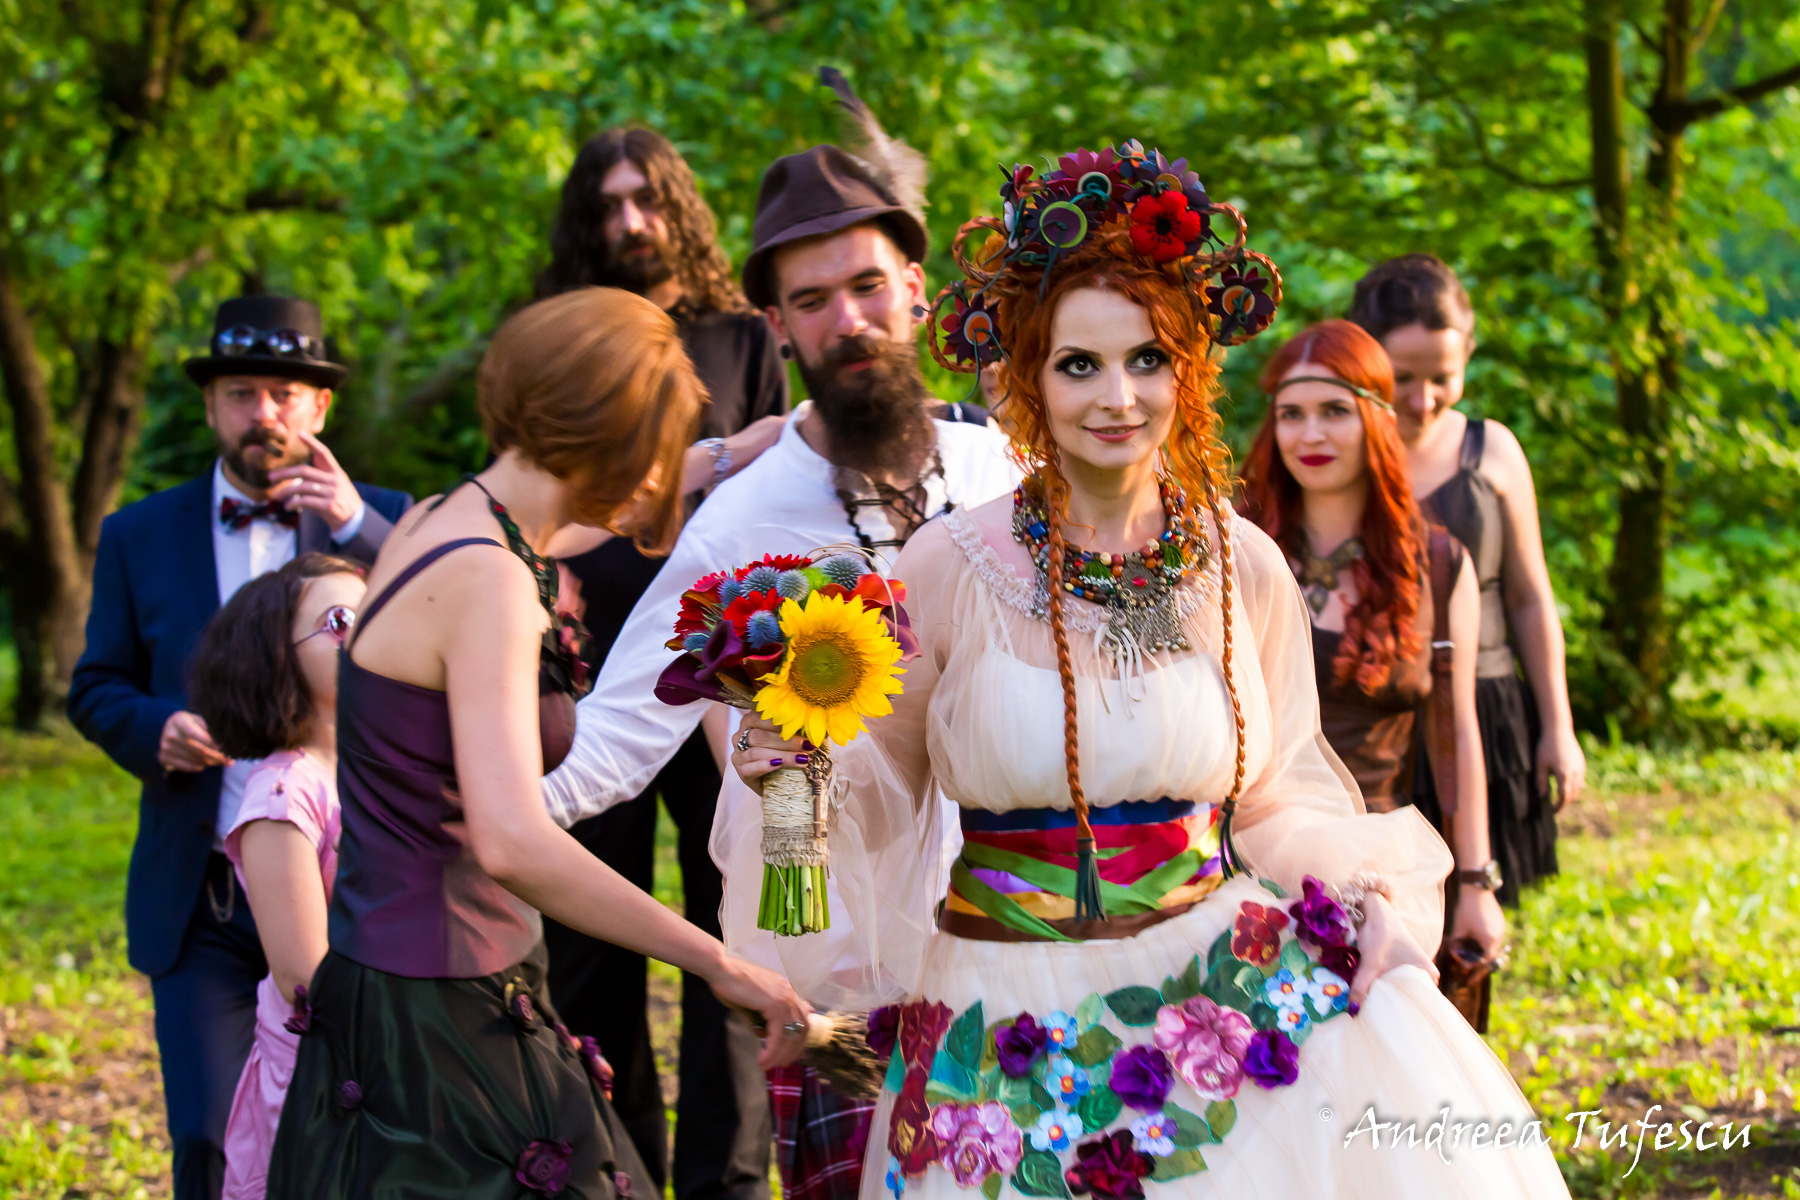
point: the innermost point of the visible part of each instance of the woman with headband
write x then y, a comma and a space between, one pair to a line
1394, 603
1173, 958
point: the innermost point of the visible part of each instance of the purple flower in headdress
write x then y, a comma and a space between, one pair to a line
884, 1030
1317, 917
1093, 177
1272, 1060
544, 1166
971, 331
1142, 1078
1019, 1045
1242, 303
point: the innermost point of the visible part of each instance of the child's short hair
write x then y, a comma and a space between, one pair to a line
1412, 289
245, 682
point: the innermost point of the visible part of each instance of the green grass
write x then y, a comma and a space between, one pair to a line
1654, 970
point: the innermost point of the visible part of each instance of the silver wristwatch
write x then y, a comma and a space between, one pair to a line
721, 458
1487, 876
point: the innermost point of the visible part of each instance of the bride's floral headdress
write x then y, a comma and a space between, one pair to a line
1161, 205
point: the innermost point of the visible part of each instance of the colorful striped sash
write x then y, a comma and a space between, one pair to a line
1018, 868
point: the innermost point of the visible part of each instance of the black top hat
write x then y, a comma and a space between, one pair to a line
815, 192
267, 335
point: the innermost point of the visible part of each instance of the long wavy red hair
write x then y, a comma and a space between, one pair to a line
1382, 628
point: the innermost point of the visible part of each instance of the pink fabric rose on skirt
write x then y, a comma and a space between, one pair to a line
1206, 1044
976, 1140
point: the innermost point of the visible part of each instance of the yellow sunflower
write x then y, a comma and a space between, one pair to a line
839, 668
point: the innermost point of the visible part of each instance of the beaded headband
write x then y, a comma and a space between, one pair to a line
1352, 388
1044, 219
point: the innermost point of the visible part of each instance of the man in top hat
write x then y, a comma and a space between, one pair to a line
632, 217
165, 565
835, 266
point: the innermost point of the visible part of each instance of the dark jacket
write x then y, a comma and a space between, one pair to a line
155, 588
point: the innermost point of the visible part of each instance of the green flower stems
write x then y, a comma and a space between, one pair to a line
793, 900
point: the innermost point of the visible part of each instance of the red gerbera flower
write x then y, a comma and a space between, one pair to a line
739, 611
1162, 226
695, 617
1256, 935
781, 562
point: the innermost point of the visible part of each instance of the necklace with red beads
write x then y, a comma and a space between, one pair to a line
1137, 589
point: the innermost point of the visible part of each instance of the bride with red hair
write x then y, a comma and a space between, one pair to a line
1326, 480
1172, 942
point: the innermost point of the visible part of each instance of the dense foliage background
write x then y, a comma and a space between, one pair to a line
399, 162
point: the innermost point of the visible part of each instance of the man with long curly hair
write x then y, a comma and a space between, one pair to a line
631, 217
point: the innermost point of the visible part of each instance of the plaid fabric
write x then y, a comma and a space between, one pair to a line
820, 1136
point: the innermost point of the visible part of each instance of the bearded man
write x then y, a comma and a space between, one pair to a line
835, 266
631, 217
165, 565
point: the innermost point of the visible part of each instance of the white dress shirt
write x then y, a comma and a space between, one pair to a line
240, 555
785, 502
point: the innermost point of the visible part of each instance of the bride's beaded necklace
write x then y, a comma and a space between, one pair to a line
1137, 589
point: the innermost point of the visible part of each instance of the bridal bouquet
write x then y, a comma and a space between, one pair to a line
814, 645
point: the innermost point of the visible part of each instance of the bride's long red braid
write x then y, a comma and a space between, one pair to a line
1195, 454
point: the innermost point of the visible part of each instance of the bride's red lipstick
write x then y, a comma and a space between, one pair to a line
1317, 460
1116, 433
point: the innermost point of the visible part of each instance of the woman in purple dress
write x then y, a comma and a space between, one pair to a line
432, 1062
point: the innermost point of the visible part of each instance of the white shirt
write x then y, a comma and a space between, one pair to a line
785, 502
240, 555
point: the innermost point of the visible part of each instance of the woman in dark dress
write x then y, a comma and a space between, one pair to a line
1326, 479
1471, 477
432, 1063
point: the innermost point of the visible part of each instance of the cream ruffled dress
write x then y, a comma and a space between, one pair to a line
980, 722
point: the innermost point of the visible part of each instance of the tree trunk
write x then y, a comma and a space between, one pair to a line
47, 582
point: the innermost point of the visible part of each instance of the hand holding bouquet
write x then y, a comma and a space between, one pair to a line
814, 645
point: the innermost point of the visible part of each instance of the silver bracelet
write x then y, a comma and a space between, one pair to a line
1358, 889
721, 459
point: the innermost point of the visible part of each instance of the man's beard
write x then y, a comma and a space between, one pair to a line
874, 418
280, 449
616, 266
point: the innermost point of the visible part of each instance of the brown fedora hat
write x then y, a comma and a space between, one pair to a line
816, 192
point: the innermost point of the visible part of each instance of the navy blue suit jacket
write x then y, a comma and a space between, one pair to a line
155, 588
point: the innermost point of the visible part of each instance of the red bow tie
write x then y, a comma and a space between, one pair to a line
235, 514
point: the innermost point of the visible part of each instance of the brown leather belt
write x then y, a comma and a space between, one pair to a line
978, 928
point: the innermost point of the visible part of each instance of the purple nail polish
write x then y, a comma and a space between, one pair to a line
1353, 1008
806, 745
800, 760
774, 762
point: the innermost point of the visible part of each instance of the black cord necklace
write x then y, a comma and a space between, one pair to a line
910, 511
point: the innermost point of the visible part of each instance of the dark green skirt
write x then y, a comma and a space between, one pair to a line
445, 1087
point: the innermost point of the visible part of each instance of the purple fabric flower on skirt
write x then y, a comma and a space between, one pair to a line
1019, 1045
1142, 1078
884, 1030
301, 1021
544, 1166
1341, 961
1317, 917
1272, 1060
598, 1069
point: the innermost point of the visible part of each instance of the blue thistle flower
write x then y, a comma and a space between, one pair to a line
730, 590
844, 570
761, 579
792, 585
694, 643
763, 629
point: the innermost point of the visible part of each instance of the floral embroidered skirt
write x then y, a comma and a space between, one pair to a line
446, 1087
1211, 1054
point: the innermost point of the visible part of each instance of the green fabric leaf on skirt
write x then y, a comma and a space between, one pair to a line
1263, 1015
1015, 1093
1274, 889
1093, 1047
964, 1039
1293, 957
1099, 1108
1185, 986
990, 1187
1135, 1005
950, 1080
1219, 952
1185, 1161
1191, 1129
896, 1072
1040, 1174
1089, 1012
1221, 1115
990, 1052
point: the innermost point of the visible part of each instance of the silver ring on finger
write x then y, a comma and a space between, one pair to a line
794, 1028
743, 742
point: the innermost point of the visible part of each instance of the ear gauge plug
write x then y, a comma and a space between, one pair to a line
920, 312
785, 350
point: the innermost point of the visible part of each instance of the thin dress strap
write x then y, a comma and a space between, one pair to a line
406, 576
1474, 444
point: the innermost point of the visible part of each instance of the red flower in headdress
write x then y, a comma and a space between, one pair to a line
1162, 226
